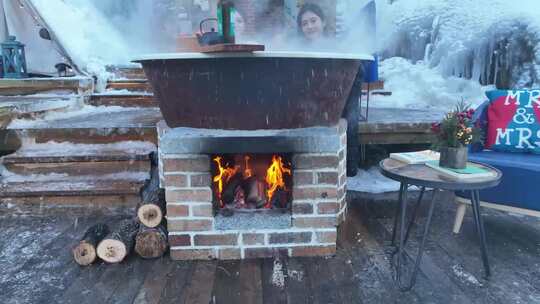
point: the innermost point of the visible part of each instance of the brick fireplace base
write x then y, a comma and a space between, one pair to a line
319, 187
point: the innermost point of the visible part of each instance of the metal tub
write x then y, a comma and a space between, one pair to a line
250, 91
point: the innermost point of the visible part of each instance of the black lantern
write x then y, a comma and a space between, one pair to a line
13, 59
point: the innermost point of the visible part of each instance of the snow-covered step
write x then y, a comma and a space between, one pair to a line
132, 100
89, 125
127, 72
31, 105
29, 86
90, 193
132, 85
67, 160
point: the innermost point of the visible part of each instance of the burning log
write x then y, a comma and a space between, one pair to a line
256, 192
84, 253
279, 199
151, 242
118, 243
230, 190
239, 197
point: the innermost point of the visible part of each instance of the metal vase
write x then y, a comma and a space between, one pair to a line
455, 158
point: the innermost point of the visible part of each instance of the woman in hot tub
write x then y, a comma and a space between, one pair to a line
312, 24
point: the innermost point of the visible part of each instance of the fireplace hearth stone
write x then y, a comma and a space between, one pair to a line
308, 229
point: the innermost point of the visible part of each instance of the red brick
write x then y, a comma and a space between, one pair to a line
189, 195
326, 236
179, 180
205, 210
200, 180
313, 251
229, 254
327, 208
314, 161
215, 239
303, 178
253, 239
327, 178
193, 254
189, 225
256, 253
315, 222
177, 210
199, 164
314, 193
179, 240
302, 208
290, 237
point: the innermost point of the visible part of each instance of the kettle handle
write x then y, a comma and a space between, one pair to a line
206, 20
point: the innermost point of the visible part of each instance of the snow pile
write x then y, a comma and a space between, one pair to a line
417, 86
371, 181
491, 41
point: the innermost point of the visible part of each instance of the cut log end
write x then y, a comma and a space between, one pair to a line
151, 243
150, 215
84, 254
112, 251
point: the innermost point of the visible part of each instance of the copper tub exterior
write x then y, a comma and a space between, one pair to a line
250, 93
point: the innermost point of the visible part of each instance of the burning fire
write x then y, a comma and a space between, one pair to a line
274, 179
224, 175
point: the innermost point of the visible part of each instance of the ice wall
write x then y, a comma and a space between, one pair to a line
490, 41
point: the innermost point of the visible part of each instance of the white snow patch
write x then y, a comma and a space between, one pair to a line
297, 275
278, 277
417, 86
465, 276
371, 181
80, 182
112, 92
73, 149
52, 116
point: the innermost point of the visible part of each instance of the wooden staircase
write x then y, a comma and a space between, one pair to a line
76, 175
89, 158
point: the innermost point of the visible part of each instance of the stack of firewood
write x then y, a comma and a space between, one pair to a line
146, 233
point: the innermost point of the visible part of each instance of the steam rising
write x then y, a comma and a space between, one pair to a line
101, 32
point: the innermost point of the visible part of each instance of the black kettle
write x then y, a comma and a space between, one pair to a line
209, 38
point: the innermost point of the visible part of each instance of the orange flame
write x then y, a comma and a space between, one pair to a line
247, 171
224, 174
274, 178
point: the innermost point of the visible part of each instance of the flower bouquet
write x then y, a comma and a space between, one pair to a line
453, 134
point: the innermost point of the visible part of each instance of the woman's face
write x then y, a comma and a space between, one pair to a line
312, 26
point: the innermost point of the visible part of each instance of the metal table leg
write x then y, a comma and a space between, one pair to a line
475, 199
396, 216
402, 234
415, 213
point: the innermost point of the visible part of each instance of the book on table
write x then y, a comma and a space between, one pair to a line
417, 157
472, 171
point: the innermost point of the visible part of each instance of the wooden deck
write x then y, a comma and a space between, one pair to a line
36, 266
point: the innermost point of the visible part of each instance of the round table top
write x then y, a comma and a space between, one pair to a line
424, 176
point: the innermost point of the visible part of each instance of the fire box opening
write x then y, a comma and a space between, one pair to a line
243, 182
